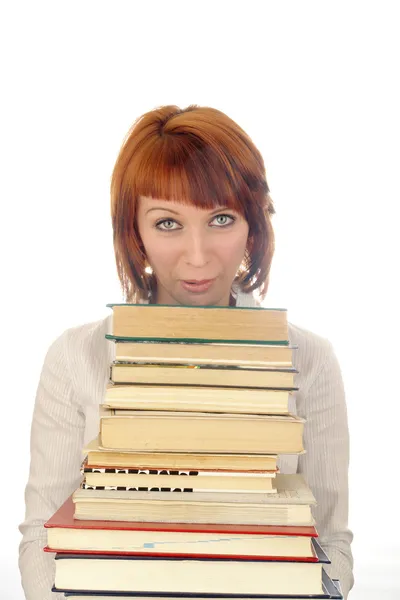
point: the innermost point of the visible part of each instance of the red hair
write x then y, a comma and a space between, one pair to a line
196, 155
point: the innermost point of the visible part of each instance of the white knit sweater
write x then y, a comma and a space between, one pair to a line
66, 417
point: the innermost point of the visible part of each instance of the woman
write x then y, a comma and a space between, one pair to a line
191, 216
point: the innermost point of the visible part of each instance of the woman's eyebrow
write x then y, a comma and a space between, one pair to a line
219, 208
162, 208
216, 210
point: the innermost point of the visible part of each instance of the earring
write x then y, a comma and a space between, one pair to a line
147, 267
242, 267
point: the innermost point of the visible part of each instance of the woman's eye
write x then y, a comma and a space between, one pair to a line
224, 220
166, 225
172, 225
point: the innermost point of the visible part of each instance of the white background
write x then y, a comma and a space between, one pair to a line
316, 85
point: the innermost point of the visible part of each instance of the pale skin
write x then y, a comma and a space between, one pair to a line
195, 253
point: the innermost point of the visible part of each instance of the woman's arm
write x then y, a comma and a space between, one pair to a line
325, 466
56, 447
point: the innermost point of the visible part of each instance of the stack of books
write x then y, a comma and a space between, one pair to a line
181, 495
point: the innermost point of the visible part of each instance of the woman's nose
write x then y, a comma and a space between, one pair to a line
197, 249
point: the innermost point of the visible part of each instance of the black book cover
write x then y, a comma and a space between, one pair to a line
330, 589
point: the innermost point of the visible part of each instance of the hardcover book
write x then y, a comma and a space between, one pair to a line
165, 431
154, 575
330, 591
197, 398
199, 323
203, 375
291, 505
66, 534
99, 456
251, 355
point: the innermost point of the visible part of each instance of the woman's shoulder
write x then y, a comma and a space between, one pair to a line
90, 331
85, 355
85, 344
308, 340
312, 353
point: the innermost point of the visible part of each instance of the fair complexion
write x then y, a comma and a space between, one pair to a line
195, 253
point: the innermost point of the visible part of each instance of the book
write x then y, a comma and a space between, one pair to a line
291, 505
197, 480
212, 482
329, 587
199, 323
336, 583
66, 534
86, 468
197, 398
181, 531
194, 575
255, 355
200, 432
202, 375
98, 456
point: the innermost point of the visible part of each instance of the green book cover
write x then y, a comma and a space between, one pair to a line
117, 338
195, 340
195, 307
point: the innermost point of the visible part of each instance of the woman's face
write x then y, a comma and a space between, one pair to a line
195, 253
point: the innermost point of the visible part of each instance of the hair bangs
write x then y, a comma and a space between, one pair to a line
182, 168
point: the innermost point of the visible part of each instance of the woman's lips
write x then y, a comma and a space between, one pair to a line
197, 286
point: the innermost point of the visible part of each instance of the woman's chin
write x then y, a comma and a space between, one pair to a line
209, 298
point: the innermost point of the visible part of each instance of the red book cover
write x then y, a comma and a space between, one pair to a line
64, 519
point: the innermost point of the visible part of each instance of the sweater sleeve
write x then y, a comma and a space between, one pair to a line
56, 445
325, 466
